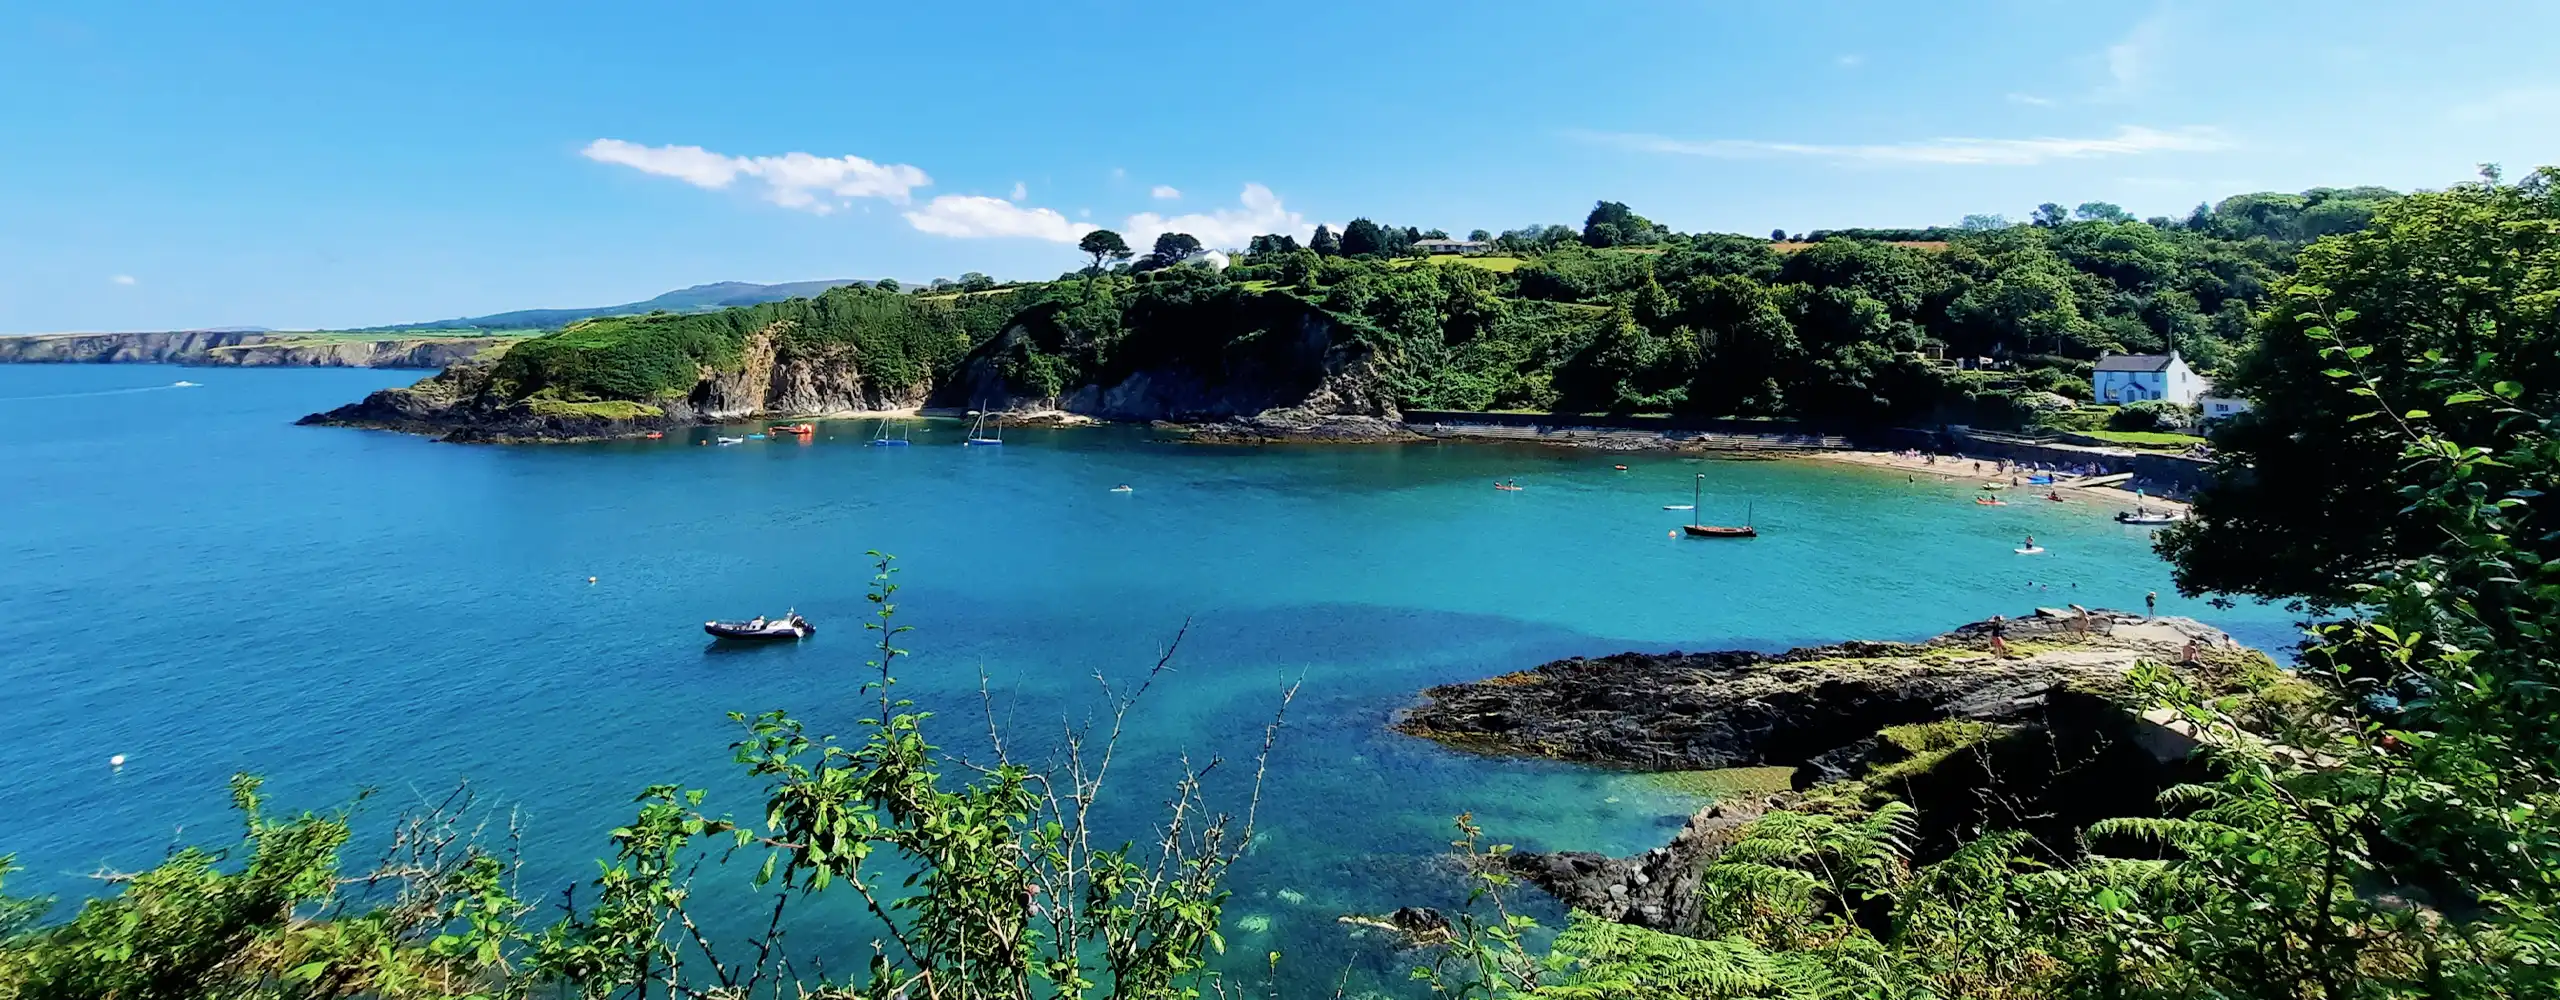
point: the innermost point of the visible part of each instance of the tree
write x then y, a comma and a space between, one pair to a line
1613, 224
2099, 211
1362, 238
1983, 223
974, 281
1102, 245
2049, 215
2305, 498
1479, 236
1272, 245
886, 284
1171, 248
1324, 243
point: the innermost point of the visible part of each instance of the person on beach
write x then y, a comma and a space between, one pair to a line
2151, 605
2000, 636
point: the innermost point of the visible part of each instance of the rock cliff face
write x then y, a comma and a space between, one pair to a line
242, 349
465, 403
1299, 382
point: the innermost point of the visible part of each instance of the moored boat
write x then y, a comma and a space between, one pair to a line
789, 626
2148, 518
978, 435
1695, 530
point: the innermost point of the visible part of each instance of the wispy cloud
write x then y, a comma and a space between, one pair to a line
1257, 211
124, 279
1851, 61
2031, 100
803, 181
972, 216
1167, 192
2128, 140
2132, 59
2531, 101
1020, 191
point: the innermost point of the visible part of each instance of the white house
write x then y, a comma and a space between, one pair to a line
2127, 378
2220, 407
1211, 259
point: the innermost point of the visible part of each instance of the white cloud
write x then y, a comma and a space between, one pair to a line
972, 216
1258, 211
1020, 192
1167, 192
2128, 140
2030, 100
2526, 102
2130, 62
124, 279
792, 180
1851, 61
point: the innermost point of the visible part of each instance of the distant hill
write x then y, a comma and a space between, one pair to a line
699, 298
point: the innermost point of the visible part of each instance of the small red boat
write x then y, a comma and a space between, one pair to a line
803, 430
655, 435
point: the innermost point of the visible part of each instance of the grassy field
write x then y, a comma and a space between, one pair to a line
2147, 440
357, 336
1793, 246
1504, 264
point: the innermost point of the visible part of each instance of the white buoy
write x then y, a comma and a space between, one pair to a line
116, 761
591, 580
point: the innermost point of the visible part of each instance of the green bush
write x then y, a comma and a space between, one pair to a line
2149, 415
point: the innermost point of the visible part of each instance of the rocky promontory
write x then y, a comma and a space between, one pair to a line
2048, 738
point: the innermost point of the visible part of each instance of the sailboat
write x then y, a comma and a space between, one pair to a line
1695, 530
881, 439
978, 433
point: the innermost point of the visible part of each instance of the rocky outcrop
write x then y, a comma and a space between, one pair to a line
245, 349
1697, 711
465, 403
2039, 740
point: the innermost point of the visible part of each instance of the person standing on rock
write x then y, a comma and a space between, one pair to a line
2151, 605
2081, 624
2000, 636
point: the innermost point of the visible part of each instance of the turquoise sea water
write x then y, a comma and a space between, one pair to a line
189, 580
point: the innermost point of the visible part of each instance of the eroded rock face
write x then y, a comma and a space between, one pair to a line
1302, 384
1698, 711
462, 404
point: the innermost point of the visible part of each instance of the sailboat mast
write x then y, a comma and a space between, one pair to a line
1695, 486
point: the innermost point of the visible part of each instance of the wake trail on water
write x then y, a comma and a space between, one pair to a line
102, 392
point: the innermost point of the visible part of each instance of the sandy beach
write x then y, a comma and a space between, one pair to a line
2105, 500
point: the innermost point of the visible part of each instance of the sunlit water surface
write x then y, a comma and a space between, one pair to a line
189, 580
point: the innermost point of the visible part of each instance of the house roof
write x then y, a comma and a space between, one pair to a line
2135, 362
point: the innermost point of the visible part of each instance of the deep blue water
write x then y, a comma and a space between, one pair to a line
189, 580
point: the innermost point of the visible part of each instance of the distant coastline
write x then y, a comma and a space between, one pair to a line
244, 348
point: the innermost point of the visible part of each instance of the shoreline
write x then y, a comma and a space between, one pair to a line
1963, 469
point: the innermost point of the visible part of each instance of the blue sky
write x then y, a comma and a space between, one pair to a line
172, 165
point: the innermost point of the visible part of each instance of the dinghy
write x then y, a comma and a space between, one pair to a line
759, 628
